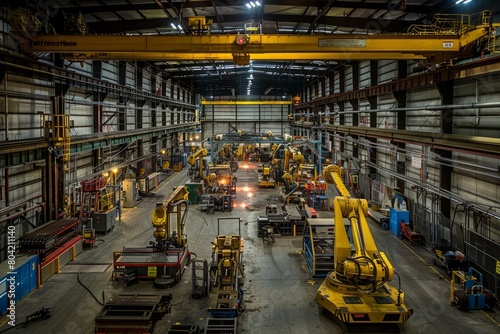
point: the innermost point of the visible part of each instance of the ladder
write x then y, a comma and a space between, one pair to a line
90, 197
199, 279
57, 132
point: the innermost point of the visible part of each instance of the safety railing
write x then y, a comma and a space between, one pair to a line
57, 132
451, 24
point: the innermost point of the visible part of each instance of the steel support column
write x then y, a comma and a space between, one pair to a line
401, 97
341, 90
446, 91
372, 149
139, 83
122, 100
154, 105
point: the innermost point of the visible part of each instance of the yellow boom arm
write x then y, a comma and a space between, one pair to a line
366, 267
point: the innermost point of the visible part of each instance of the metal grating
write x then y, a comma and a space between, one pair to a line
353, 300
383, 300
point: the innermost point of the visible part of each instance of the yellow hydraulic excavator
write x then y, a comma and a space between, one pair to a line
357, 291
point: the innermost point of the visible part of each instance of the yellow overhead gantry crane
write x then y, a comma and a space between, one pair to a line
357, 290
450, 36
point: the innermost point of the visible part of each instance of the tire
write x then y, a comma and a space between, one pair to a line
460, 299
490, 299
164, 283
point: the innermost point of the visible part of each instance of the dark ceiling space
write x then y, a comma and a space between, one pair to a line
290, 17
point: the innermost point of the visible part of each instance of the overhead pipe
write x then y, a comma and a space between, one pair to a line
15, 207
125, 164
435, 158
467, 164
438, 191
22, 212
470, 171
428, 107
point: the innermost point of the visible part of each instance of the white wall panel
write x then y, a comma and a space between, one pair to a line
336, 87
23, 121
24, 182
110, 71
386, 119
348, 116
387, 70
477, 121
83, 67
424, 120
80, 108
146, 79
364, 117
130, 75
348, 79
364, 74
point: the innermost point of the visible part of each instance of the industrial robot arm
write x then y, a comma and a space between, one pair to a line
358, 289
198, 155
366, 267
160, 219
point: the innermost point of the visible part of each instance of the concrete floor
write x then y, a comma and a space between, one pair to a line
279, 293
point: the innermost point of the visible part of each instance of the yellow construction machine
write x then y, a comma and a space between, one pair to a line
357, 291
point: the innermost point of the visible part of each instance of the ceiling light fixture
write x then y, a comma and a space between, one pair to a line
176, 27
253, 4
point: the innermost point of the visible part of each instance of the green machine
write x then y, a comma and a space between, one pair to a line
195, 190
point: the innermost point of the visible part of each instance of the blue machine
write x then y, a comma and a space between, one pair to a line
468, 293
23, 277
395, 217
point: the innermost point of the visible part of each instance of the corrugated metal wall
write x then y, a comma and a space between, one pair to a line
257, 118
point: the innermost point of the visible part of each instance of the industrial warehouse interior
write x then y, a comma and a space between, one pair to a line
189, 167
